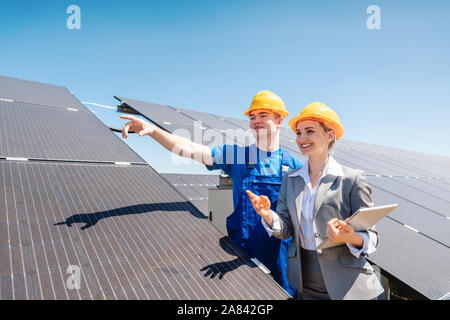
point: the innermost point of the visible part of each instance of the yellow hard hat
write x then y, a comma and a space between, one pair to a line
319, 112
269, 101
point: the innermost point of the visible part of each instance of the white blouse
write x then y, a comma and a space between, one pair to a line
307, 239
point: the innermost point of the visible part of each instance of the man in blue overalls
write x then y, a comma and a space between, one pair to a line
259, 168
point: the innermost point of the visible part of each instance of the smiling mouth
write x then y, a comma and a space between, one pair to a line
306, 146
257, 128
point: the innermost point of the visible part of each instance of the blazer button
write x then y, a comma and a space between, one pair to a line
316, 234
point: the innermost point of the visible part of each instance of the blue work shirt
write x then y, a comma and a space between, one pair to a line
232, 160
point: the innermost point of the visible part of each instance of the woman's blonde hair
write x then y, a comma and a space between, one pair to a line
328, 129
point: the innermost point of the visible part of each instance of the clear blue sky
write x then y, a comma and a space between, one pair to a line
390, 86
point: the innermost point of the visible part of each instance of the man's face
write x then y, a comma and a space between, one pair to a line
264, 123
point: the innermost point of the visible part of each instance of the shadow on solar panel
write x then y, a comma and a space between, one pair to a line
219, 269
91, 219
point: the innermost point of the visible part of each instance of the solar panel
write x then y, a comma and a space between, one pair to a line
415, 191
244, 124
131, 236
285, 133
38, 93
199, 134
429, 222
411, 157
210, 120
193, 187
214, 129
42, 132
225, 123
443, 185
413, 259
362, 162
390, 165
158, 113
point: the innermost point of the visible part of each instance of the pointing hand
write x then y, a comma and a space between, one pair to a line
136, 125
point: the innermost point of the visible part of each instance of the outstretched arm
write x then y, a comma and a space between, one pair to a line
172, 142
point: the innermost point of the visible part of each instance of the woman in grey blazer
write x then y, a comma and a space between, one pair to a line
313, 203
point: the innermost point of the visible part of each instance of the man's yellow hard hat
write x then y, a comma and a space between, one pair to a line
269, 101
319, 112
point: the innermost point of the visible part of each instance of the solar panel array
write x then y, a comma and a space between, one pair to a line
414, 239
84, 217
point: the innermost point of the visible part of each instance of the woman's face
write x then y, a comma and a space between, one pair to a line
312, 137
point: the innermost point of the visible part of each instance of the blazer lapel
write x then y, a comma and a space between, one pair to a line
299, 185
324, 185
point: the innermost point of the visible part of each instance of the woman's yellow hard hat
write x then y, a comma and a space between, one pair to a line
319, 112
269, 101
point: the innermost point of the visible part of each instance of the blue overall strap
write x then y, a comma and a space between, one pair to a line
250, 160
285, 156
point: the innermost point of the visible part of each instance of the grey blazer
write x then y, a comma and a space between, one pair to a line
345, 276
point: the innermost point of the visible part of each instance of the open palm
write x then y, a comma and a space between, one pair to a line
261, 204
